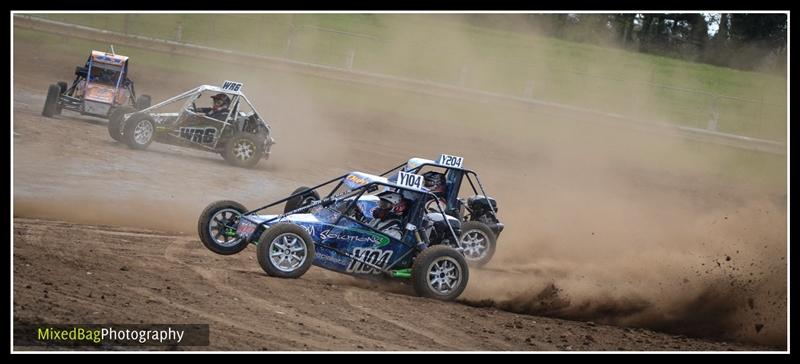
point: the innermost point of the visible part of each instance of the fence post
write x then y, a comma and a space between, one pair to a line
462, 76
292, 29
288, 50
761, 108
179, 31
125, 23
288, 46
528, 91
713, 121
351, 55
210, 29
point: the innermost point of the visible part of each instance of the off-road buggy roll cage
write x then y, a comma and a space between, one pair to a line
452, 193
413, 220
67, 96
192, 95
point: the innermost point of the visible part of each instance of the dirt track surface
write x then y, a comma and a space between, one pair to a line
99, 273
104, 233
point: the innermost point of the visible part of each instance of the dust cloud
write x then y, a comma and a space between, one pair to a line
619, 226
603, 222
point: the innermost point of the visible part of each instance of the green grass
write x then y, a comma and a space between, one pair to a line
511, 125
76, 50
435, 48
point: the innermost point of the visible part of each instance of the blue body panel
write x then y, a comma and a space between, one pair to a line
338, 242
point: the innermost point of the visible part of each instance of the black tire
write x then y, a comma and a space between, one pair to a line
285, 233
135, 121
115, 122
302, 200
243, 150
62, 90
434, 258
142, 102
51, 102
209, 228
481, 245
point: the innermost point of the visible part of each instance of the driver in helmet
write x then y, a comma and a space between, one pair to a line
220, 109
435, 182
109, 76
102, 75
388, 215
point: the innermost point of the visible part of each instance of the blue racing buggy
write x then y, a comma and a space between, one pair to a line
338, 233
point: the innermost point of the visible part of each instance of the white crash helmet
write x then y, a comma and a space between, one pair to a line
391, 197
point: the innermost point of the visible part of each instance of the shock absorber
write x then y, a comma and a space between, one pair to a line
421, 244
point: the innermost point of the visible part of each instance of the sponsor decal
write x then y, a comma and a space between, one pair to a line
107, 59
357, 180
245, 228
199, 135
99, 93
373, 256
328, 258
451, 161
379, 240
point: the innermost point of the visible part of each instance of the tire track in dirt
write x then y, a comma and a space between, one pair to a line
219, 279
353, 300
236, 323
144, 276
356, 301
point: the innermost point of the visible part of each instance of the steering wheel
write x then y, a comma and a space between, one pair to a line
430, 206
194, 107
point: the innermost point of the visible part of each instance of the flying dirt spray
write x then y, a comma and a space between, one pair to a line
602, 224
643, 252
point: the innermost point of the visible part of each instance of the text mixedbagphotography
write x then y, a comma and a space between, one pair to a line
122, 335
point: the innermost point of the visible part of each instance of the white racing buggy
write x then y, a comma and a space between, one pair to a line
231, 126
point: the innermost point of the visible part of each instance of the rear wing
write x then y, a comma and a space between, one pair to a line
108, 58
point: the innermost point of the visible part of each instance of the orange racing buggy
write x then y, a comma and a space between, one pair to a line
101, 88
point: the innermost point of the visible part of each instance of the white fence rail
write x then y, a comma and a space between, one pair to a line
349, 74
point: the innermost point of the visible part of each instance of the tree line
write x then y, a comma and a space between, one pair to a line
742, 41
